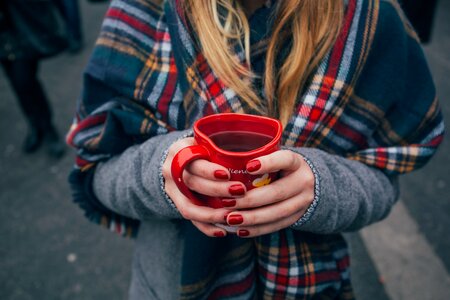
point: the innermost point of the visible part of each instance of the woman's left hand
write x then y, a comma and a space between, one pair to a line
278, 205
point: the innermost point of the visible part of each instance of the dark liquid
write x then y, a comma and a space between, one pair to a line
240, 141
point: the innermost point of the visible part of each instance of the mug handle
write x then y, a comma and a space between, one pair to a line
179, 163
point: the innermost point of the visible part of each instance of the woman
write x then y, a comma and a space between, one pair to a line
349, 82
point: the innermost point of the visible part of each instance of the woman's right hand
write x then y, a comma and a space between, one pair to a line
206, 178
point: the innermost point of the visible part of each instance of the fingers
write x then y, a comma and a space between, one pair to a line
298, 179
202, 176
210, 230
208, 170
259, 211
269, 218
279, 190
172, 151
201, 167
180, 144
285, 160
254, 231
267, 214
221, 189
191, 211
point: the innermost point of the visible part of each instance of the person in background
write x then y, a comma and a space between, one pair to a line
347, 79
421, 14
29, 32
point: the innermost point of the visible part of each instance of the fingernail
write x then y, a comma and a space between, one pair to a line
236, 190
228, 202
219, 234
226, 216
243, 232
235, 219
253, 165
220, 174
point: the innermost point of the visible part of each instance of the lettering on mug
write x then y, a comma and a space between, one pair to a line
233, 171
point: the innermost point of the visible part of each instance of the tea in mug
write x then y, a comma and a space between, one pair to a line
240, 141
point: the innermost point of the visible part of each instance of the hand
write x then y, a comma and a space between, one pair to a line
280, 204
205, 178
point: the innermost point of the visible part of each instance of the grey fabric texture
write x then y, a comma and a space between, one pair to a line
156, 265
352, 194
130, 183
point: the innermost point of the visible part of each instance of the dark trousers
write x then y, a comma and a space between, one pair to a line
22, 75
421, 14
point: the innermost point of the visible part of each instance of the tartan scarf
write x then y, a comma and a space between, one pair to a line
371, 100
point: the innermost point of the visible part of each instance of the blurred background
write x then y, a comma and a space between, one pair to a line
48, 250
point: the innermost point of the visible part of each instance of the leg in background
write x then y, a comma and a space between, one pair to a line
34, 104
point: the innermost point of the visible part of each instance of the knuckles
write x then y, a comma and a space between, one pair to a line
185, 213
279, 191
209, 218
166, 172
309, 178
295, 160
188, 181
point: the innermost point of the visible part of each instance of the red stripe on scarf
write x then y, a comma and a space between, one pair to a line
351, 134
304, 280
233, 289
329, 78
282, 275
344, 263
169, 90
382, 158
436, 141
84, 124
118, 14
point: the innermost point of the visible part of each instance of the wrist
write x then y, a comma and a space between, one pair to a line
312, 207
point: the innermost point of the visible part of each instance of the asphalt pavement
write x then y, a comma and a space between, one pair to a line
49, 251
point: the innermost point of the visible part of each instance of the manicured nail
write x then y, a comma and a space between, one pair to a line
226, 216
219, 234
243, 232
236, 190
228, 202
253, 165
235, 219
220, 174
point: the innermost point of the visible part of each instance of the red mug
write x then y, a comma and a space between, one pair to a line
230, 140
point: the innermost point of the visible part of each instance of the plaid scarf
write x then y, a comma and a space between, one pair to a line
371, 99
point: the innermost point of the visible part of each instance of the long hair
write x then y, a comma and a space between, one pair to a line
312, 25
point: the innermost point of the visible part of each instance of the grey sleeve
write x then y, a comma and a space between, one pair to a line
348, 194
131, 184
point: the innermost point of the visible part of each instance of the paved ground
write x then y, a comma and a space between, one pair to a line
49, 251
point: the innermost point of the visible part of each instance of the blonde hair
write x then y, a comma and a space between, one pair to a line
312, 25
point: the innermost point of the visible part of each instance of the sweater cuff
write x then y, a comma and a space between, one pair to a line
162, 182
312, 207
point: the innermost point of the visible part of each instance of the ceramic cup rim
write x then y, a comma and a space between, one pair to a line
232, 116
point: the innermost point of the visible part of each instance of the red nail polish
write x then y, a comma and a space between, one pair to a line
253, 165
243, 232
219, 234
220, 174
228, 202
236, 190
235, 219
